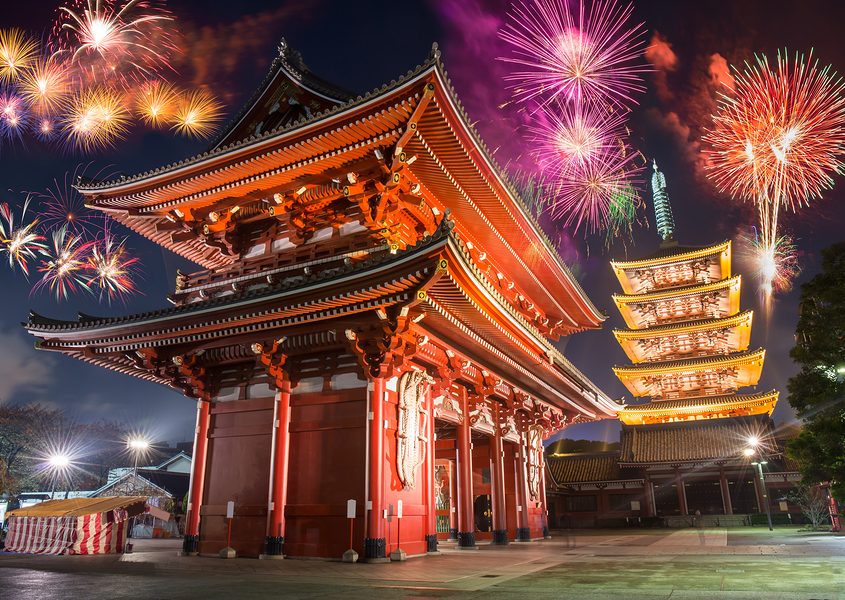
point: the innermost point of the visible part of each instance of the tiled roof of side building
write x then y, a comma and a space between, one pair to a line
699, 441
583, 468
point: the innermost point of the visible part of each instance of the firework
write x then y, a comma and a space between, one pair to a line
584, 195
591, 55
17, 52
156, 103
197, 114
63, 206
46, 85
115, 41
21, 243
63, 269
776, 265
96, 118
621, 214
566, 137
111, 268
13, 114
777, 141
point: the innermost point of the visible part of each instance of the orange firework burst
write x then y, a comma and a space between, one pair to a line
156, 103
45, 85
17, 52
197, 114
777, 141
96, 118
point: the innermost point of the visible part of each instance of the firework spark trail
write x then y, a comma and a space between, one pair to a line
17, 52
197, 114
776, 264
97, 118
156, 103
108, 39
777, 142
21, 243
111, 269
63, 206
584, 196
565, 137
63, 269
592, 56
45, 85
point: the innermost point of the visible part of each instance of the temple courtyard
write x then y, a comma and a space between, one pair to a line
621, 564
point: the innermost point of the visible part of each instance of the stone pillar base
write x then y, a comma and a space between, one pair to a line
375, 550
350, 556
228, 552
546, 533
500, 537
523, 534
466, 539
273, 545
398, 555
190, 545
431, 543
453, 535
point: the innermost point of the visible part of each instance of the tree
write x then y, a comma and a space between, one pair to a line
812, 500
22, 431
817, 392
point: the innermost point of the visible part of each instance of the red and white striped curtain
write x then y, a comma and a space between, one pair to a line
41, 535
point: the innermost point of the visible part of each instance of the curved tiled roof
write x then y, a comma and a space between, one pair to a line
689, 363
700, 441
703, 324
676, 292
583, 468
672, 254
709, 402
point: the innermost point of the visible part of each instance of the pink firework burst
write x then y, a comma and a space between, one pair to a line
582, 54
566, 137
20, 241
111, 269
13, 114
63, 269
63, 206
114, 40
586, 193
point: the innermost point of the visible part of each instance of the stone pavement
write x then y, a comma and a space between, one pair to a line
635, 564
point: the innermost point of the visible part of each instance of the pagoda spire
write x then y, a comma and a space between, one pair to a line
662, 207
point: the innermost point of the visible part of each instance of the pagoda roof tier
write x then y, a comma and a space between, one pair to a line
436, 279
415, 130
698, 442
672, 341
723, 372
704, 301
638, 276
704, 407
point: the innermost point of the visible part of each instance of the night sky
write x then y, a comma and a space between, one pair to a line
360, 46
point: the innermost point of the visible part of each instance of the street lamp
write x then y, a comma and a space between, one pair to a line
137, 447
59, 463
754, 448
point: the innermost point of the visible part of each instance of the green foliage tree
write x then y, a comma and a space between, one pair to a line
817, 392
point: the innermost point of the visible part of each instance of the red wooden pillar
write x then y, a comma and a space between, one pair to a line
648, 498
466, 516
523, 529
375, 543
453, 499
497, 481
281, 453
190, 544
726, 493
546, 533
431, 536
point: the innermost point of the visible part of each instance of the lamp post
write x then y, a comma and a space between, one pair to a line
752, 450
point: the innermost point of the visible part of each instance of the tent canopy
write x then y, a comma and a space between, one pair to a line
78, 507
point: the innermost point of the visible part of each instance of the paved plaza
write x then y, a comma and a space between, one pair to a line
585, 565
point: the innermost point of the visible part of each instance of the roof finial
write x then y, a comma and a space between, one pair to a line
662, 207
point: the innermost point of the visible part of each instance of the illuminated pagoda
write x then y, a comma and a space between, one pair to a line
688, 340
374, 321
